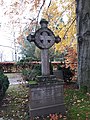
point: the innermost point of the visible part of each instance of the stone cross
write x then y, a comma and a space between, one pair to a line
44, 38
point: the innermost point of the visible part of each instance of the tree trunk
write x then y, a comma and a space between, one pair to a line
83, 35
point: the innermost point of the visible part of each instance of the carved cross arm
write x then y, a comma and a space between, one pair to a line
31, 38
57, 39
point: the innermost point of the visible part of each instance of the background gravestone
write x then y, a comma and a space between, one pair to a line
47, 95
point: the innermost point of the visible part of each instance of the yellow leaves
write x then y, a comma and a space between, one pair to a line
57, 46
78, 115
66, 30
16, 102
78, 101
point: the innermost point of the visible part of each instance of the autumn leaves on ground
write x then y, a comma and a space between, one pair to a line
15, 104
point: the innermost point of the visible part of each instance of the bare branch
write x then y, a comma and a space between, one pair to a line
7, 46
69, 27
56, 8
49, 3
40, 10
67, 7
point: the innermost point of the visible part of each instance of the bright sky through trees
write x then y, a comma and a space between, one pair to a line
14, 16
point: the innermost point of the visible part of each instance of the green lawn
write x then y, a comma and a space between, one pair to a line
77, 104
15, 103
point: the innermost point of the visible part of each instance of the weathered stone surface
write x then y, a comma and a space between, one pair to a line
47, 96
45, 62
44, 39
58, 74
46, 99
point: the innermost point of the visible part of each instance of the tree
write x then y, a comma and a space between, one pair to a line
17, 15
71, 61
66, 29
71, 58
83, 35
29, 51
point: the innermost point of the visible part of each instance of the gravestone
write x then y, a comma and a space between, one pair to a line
58, 74
47, 95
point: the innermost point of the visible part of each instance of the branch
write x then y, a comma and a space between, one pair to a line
65, 25
40, 10
68, 7
62, 11
69, 27
7, 46
47, 10
49, 3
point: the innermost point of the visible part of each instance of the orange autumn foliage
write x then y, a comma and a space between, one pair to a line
71, 58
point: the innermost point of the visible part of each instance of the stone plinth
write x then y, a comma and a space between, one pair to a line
46, 98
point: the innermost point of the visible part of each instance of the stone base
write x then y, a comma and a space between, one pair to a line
46, 110
46, 98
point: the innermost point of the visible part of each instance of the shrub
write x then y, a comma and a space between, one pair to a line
30, 74
4, 83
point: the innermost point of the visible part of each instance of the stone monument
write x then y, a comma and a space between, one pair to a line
47, 95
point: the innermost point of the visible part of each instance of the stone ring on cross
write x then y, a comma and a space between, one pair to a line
44, 38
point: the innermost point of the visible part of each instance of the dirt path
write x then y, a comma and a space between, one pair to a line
14, 78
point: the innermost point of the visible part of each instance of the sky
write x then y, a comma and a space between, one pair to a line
12, 24
8, 31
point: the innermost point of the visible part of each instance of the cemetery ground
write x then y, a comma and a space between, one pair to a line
14, 106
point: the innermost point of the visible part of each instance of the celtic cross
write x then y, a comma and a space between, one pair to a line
44, 39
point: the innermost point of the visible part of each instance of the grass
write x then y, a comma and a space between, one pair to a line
15, 105
32, 82
77, 104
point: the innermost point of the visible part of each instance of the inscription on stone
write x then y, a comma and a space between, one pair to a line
46, 95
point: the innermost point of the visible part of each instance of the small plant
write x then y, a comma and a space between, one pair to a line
4, 83
30, 74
